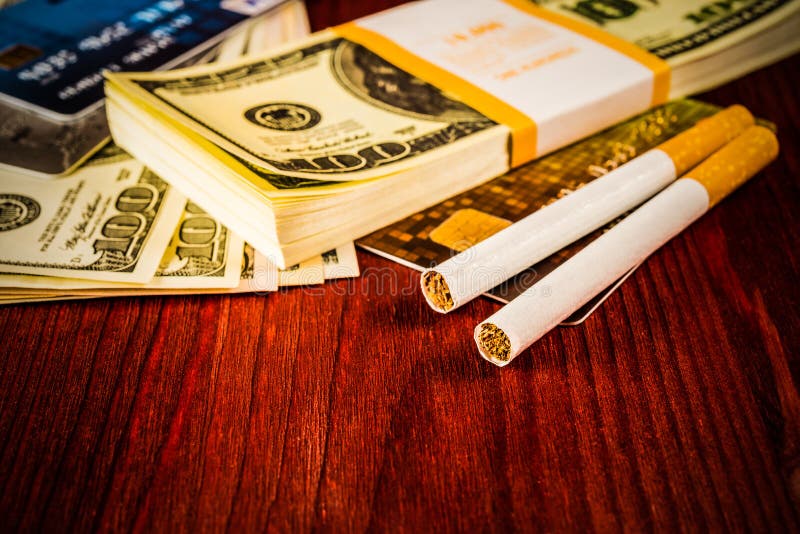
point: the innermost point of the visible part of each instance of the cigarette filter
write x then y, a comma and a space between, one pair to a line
527, 318
549, 229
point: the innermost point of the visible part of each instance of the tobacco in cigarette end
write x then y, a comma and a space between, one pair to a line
437, 291
494, 344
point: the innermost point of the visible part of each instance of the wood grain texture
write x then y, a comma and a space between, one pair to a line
355, 407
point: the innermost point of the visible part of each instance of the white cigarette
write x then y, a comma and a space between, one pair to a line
524, 320
549, 229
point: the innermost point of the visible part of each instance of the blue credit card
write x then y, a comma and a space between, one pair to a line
53, 52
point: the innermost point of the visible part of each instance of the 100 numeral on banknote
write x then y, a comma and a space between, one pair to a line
107, 222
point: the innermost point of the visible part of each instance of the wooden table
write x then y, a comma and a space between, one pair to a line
354, 406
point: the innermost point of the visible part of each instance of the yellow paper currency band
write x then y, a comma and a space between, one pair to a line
689, 148
659, 67
523, 128
735, 163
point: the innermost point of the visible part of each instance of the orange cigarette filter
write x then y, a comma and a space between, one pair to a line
689, 148
735, 163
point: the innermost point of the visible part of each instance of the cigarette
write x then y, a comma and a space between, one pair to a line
501, 337
490, 262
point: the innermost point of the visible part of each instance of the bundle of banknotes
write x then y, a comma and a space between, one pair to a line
706, 43
113, 227
325, 140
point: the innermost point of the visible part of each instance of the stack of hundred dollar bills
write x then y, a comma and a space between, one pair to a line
324, 141
114, 227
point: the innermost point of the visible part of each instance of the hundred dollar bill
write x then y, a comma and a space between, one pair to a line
679, 31
111, 220
308, 272
257, 275
379, 119
340, 262
202, 253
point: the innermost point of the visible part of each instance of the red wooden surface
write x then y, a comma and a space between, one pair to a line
353, 406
